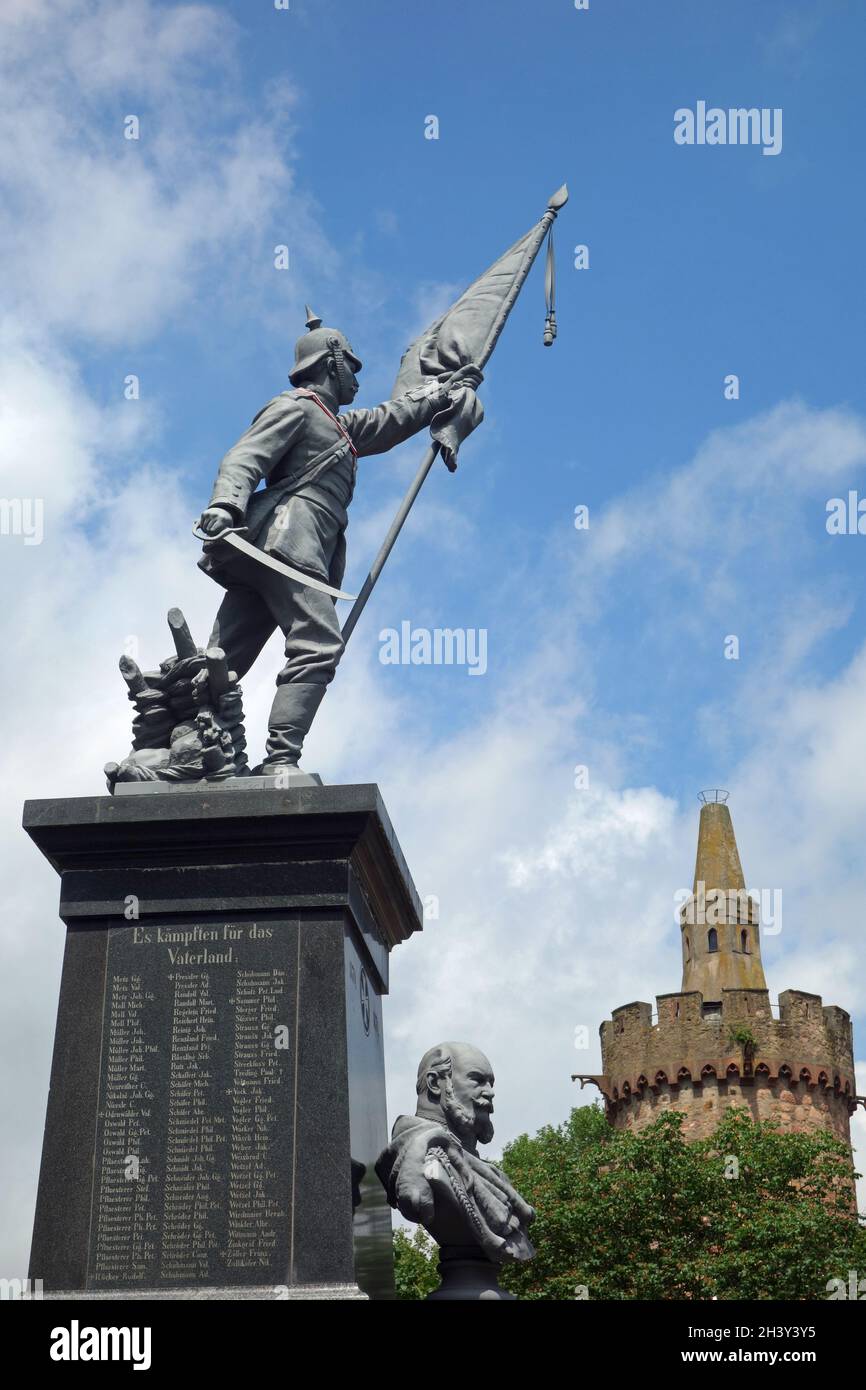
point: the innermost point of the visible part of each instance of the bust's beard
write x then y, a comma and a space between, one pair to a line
471, 1127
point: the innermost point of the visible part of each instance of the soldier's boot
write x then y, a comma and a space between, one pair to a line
292, 713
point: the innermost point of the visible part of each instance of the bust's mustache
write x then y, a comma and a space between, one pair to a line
475, 1123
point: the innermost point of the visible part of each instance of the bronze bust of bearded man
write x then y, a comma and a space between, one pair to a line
433, 1174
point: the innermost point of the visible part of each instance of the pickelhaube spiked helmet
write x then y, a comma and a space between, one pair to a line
317, 344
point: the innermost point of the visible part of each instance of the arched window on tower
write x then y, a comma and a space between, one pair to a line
688, 950
712, 940
744, 940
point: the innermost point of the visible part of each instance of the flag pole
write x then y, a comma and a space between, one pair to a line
558, 200
388, 543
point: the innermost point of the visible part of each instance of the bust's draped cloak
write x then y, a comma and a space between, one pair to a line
495, 1213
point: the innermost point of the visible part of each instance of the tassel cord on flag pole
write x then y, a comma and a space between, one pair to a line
550, 292
545, 228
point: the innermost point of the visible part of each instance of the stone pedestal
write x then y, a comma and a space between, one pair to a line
468, 1276
217, 1091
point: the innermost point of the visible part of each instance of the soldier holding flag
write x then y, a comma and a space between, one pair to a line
287, 571
306, 452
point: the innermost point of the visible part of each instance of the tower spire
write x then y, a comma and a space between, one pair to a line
719, 922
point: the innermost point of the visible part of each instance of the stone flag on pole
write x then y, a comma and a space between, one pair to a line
468, 332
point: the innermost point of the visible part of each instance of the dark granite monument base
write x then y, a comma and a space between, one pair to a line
254, 1293
217, 1095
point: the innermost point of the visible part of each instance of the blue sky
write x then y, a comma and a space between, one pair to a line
605, 647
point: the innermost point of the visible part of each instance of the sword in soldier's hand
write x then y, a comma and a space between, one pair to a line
466, 334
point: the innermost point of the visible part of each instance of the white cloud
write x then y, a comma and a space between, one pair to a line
107, 236
739, 493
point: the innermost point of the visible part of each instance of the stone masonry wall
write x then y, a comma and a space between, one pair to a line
801, 1074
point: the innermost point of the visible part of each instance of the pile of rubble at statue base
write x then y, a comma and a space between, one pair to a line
188, 720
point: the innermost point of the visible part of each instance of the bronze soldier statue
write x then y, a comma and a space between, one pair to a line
285, 570
306, 452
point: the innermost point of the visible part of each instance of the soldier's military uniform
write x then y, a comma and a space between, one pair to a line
306, 455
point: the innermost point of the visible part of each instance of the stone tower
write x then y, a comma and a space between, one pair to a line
719, 922
716, 1042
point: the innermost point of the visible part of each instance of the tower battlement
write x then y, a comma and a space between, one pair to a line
693, 1041
701, 1058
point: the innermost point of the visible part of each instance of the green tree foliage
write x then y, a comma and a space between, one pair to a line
415, 1264
750, 1213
